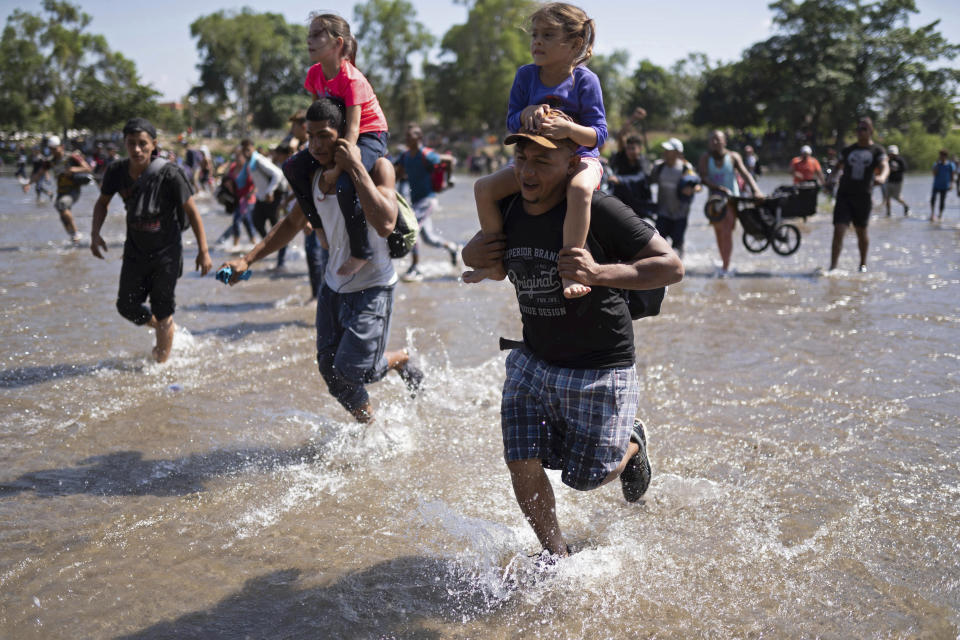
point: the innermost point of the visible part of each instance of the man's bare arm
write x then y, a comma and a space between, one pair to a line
655, 266
376, 190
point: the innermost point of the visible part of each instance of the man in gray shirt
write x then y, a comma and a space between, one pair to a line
676, 182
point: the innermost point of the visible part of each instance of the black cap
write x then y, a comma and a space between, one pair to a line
135, 125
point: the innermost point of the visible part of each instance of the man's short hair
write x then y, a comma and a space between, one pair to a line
246, 143
635, 140
329, 110
136, 125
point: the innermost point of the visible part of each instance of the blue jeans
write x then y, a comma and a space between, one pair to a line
673, 228
299, 171
241, 215
316, 262
352, 333
372, 146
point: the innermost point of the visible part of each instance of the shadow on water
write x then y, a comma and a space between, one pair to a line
287, 275
712, 274
26, 376
126, 473
47, 246
241, 330
229, 307
395, 598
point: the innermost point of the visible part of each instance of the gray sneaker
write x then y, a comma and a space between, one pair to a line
636, 476
412, 377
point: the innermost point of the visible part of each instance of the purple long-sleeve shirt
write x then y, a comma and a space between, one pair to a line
579, 96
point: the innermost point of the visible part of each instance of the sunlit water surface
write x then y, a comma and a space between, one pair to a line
803, 431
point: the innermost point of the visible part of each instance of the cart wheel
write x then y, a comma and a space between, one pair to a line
786, 239
755, 244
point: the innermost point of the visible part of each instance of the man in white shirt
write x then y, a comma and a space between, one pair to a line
353, 311
268, 179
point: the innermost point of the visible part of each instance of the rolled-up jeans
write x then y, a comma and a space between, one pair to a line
352, 333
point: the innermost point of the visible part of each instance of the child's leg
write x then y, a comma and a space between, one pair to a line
577, 221
488, 191
298, 171
372, 146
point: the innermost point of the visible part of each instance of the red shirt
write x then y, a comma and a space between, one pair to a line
353, 88
808, 169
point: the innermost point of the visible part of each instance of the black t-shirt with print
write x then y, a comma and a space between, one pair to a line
151, 204
897, 169
858, 164
592, 332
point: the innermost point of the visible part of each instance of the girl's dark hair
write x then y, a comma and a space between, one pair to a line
574, 23
337, 27
329, 110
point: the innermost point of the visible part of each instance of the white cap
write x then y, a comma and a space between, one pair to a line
53, 141
806, 149
894, 149
673, 145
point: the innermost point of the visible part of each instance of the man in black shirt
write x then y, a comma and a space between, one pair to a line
158, 198
860, 165
630, 179
894, 186
571, 392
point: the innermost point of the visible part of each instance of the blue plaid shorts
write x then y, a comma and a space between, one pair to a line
575, 420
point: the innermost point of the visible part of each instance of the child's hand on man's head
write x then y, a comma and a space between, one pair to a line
532, 116
553, 126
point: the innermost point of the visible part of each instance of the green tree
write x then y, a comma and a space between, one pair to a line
655, 89
389, 36
688, 77
470, 86
24, 82
109, 93
728, 96
831, 61
615, 84
248, 58
54, 73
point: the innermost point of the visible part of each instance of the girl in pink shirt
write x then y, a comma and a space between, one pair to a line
333, 49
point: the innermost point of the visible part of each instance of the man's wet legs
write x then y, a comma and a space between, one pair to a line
534, 494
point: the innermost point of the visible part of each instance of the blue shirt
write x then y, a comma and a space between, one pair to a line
418, 167
943, 174
579, 96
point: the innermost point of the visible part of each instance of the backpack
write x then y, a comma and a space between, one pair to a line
404, 234
226, 193
439, 173
141, 189
640, 303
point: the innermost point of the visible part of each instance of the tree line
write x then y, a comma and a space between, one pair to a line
826, 63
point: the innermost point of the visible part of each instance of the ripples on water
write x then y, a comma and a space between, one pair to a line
803, 432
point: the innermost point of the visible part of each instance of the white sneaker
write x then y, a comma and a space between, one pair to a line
77, 238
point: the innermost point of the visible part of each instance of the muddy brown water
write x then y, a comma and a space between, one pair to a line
803, 430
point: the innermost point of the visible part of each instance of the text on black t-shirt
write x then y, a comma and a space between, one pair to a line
152, 204
592, 332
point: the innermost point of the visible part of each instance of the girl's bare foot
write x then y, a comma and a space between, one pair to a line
488, 273
351, 266
165, 330
573, 289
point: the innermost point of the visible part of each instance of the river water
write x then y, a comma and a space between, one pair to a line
803, 432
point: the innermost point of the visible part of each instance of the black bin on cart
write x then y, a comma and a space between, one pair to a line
797, 200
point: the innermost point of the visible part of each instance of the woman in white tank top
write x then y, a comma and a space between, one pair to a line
718, 169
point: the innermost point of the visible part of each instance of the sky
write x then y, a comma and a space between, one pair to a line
156, 35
